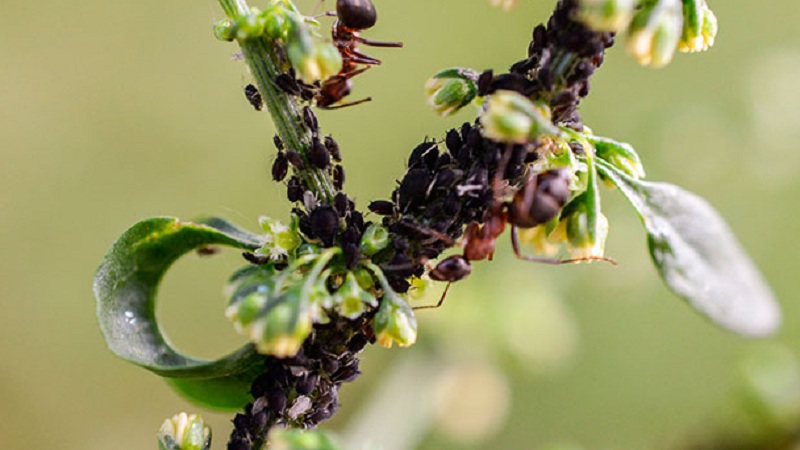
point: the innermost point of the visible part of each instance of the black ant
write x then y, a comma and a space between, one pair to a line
352, 16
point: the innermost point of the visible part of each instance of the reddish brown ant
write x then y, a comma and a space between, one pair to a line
353, 16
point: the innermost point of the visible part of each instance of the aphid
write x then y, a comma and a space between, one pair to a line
254, 97
341, 203
310, 119
207, 250
255, 259
296, 159
294, 189
278, 142
382, 207
325, 224
318, 154
353, 16
280, 167
338, 177
333, 148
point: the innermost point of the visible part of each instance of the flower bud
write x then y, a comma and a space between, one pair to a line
394, 321
184, 432
276, 24
283, 327
313, 59
544, 239
225, 30
512, 118
654, 32
606, 15
699, 27
250, 26
619, 154
350, 300
451, 89
586, 228
374, 239
280, 239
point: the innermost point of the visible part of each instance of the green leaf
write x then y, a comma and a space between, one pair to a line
698, 256
125, 287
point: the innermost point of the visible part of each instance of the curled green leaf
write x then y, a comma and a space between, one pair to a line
698, 256
125, 287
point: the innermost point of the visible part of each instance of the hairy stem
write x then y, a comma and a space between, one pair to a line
263, 59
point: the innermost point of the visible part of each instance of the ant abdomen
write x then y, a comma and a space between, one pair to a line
540, 199
356, 14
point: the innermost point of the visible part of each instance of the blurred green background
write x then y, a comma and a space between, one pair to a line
111, 112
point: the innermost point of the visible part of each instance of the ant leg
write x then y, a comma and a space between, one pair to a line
518, 254
441, 300
344, 105
378, 43
360, 58
353, 73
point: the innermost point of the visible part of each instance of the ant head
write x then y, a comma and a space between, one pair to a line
356, 14
540, 199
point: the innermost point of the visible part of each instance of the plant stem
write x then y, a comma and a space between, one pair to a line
262, 57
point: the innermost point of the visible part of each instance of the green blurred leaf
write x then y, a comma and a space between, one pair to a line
292, 439
699, 257
125, 287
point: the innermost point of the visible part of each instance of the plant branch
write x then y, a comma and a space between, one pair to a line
263, 57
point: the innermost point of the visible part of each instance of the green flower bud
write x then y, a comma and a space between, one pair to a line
313, 59
654, 32
283, 327
276, 25
511, 117
606, 15
184, 432
586, 228
280, 239
225, 30
351, 301
250, 26
619, 154
364, 278
394, 321
699, 27
374, 239
451, 89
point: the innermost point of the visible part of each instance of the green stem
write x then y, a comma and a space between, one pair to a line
262, 56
